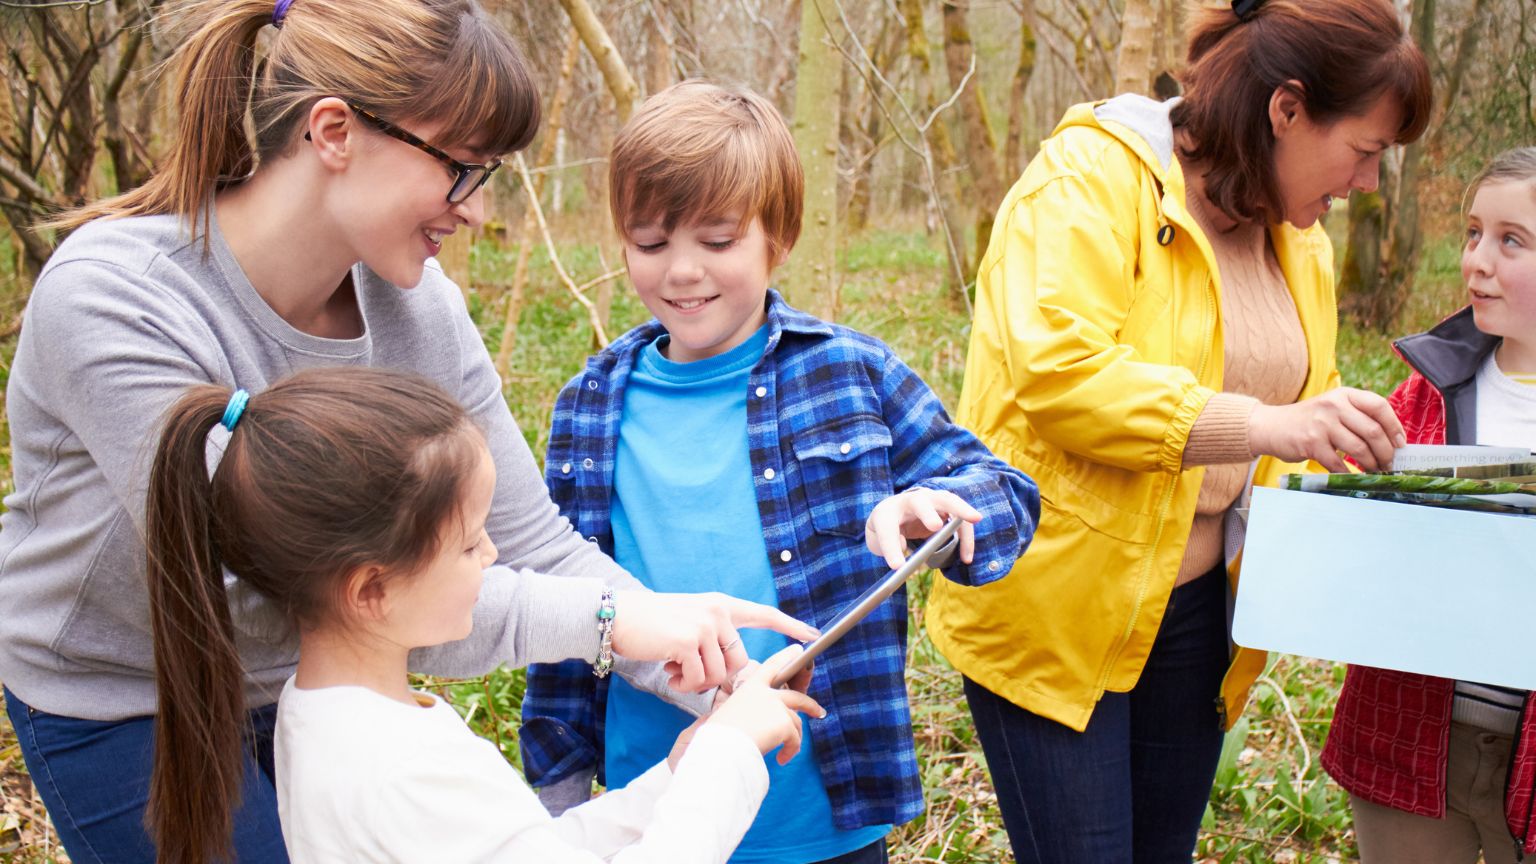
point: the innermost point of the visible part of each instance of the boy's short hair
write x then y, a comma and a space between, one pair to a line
699, 150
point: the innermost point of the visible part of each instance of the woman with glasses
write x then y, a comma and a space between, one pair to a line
242, 260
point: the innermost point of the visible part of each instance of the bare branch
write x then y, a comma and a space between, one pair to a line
23, 180
79, 4
871, 73
599, 333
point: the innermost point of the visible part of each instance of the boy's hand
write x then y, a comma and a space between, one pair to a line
914, 514
695, 634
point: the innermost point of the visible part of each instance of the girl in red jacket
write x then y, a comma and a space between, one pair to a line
1439, 771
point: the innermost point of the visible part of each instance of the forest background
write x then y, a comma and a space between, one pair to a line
912, 118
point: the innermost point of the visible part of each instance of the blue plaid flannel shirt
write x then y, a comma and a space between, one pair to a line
844, 424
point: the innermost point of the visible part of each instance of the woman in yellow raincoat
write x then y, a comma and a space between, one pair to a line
1154, 334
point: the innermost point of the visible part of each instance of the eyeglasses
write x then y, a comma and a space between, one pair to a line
467, 176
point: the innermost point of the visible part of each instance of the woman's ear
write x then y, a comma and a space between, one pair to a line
331, 132
1287, 107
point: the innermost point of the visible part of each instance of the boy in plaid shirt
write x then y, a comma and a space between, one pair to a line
736, 444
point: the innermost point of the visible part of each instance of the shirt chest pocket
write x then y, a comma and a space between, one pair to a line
845, 471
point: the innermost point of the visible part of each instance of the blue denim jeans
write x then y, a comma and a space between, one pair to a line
1133, 786
93, 777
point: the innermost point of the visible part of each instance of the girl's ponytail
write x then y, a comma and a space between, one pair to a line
199, 723
215, 75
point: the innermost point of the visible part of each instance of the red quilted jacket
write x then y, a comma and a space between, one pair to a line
1391, 731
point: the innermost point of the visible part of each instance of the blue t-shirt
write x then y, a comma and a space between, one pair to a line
685, 518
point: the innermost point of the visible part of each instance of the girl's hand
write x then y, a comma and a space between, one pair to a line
694, 633
1355, 423
915, 514
769, 717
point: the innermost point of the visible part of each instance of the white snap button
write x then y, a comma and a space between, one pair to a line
586, 463
591, 385
845, 449
769, 474
994, 566
785, 556
761, 392
566, 468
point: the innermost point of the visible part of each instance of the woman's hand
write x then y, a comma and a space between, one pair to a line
695, 634
770, 717
1355, 423
917, 513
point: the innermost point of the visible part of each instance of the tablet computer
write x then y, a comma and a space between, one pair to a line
866, 602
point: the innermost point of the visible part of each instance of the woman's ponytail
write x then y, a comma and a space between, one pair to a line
199, 723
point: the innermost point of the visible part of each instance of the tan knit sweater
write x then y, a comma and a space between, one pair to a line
1266, 361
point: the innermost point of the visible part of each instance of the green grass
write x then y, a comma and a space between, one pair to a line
1270, 801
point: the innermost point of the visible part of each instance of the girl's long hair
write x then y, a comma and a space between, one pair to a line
327, 472
441, 61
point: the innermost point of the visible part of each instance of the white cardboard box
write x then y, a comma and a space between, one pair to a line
1398, 586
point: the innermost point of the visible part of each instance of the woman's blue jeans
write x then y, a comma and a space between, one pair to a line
1133, 786
93, 777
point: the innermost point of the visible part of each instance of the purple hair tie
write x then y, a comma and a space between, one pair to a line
279, 12
1243, 9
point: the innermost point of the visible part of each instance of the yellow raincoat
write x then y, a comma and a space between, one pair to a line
1096, 343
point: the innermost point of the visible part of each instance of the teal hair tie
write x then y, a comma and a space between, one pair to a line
234, 409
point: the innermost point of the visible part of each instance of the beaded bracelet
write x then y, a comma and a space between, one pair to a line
604, 663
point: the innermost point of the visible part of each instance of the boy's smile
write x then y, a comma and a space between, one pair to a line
705, 281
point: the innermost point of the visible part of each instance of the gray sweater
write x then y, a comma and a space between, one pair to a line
128, 313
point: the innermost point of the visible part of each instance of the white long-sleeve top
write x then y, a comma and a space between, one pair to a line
364, 778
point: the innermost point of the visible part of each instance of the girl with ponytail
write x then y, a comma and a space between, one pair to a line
324, 149
355, 501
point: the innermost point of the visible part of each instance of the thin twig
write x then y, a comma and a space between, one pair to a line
1306, 752
554, 257
12, 4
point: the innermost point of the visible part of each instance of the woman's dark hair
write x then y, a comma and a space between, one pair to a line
329, 471
1343, 56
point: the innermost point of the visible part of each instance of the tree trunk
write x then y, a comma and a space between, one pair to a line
1406, 237
658, 59
1013, 151
620, 83
1387, 229
912, 182
980, 143
886, 47
1360, 281
812, 273
1133, 68
942, 198
1466, 47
